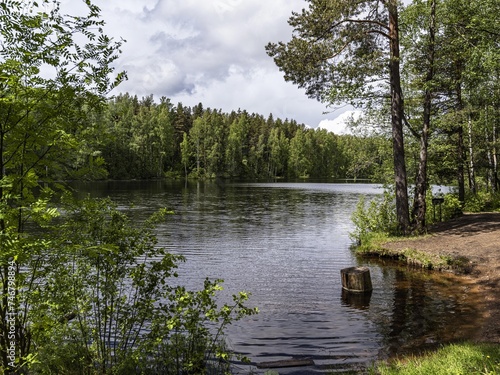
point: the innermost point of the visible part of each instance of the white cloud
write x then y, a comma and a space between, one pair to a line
339, 124
208, 51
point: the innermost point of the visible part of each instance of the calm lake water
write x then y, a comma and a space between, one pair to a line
286, 244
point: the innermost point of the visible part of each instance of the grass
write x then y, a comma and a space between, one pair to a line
373, 245
372, 242
454, 359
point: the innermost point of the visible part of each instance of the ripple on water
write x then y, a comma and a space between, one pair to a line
286, 244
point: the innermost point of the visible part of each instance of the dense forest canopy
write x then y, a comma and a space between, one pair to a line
141, 139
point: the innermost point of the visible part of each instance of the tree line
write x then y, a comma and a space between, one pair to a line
141, 139
132, 138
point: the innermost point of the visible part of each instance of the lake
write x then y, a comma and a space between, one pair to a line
286, 243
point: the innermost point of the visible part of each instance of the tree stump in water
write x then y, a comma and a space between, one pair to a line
356, 279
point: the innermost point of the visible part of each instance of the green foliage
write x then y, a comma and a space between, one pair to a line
53, 69
137, 139
237, 149
279, 146
300, 153
366, 157
142, 139
188, 337
450, 208
101, 288
108, 302
334, 59
482, 201
20, 252
454, 359
377, 218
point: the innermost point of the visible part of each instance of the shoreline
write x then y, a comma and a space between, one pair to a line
468, 246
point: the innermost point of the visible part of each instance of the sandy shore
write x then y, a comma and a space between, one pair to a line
473, 242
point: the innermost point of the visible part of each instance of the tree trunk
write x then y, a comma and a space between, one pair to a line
419, 203
489, 151
460, 143
472, 167
401, 184
356, 279
496, 182
460, 166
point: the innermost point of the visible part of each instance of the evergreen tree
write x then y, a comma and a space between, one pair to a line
346, 51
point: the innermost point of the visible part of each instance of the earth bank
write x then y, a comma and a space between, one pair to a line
468, 245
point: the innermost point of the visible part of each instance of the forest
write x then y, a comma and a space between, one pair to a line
141, 139
134, 138
449, 77
84, 290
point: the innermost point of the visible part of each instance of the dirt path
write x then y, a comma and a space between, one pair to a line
474, 238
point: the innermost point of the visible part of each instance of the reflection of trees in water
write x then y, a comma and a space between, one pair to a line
426, 310
399, 307
408, 318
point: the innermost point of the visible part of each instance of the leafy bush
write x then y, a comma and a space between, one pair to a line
108, 304
378, 217
449, 209
482, 201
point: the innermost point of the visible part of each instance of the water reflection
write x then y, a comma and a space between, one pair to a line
423, 310
359, 301
286, 244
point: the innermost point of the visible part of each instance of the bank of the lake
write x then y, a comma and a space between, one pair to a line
468, 245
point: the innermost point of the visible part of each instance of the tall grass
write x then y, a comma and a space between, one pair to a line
454, 359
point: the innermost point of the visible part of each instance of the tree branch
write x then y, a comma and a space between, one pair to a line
409, 126
371, 22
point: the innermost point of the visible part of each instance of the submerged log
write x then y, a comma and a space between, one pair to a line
356, 279
287, 363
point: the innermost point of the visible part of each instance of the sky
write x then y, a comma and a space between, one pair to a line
210, 51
